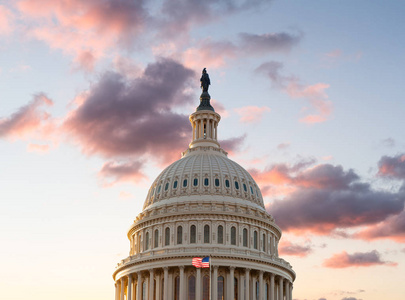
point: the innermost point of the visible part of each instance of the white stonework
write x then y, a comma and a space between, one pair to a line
204, 205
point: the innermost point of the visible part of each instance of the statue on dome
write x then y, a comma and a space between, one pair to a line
205, 81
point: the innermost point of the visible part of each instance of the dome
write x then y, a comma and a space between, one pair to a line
204, 207
204, 171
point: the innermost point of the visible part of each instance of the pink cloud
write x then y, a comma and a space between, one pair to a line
335, 53
251, 114
392, 229
40, 148
114, 172
392, 166
28, 120
315, 94
84, 27
6, 21
358, 259
288, 248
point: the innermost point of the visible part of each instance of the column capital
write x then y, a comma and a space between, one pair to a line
272, 275
181, 267
232, 268
165, 268
261, 272
215, 267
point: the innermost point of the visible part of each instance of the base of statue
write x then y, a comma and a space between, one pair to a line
205, 102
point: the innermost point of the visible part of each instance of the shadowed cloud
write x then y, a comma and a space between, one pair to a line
289, 248
270, 42
325, 198
392, 166
358, 259
119, 172
121, 117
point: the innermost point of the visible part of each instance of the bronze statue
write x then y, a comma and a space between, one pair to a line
205, 81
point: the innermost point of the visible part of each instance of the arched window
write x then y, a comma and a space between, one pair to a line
177, 288
206, 181
255, 239
266, 290
244, 187
206, 287
156, 239
221, 288
206, 234
147, 241
159, 188
233, 235
227, 183
236, 185
220, 234
245, 237
179, 235
257, 290
216, 182
185, 183
251, 190
195, 182
191, 288
166, 186
167, 236
264, 242
193, 234
175, 184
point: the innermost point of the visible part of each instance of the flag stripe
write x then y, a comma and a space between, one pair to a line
196, 262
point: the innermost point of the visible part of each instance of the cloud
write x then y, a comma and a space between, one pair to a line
392, 228
219, 108
30, 119
251, 114
40, 148
288, 248
6, 20
123, 117
89, 27
315, 94
324, 198
269, 42
388, 142
233, 144
122, 171
358, 259
392, 166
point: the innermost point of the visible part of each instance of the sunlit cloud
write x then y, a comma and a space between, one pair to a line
39, 148
251, 114
30, 120
6, 20
294, 249
114, 172
315, 94
358, 259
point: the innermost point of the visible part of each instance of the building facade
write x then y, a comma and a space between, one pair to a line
204, 205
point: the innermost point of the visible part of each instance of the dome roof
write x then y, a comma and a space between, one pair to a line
204, 170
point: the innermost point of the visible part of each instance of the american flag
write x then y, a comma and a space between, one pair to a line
199, 262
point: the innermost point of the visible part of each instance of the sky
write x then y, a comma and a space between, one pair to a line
94, 103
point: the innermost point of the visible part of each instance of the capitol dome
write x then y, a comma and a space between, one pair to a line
204, 205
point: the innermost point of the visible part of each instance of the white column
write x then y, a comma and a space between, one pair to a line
129, 291
182, 284
122, 288
254, 281
272, 287
139, 287
214, 283
290, 291
287, 290
261, 286
201, 129
117, 290
231, 283
151, 284
166, 283
158, 278
198, 285
241, 286
280, 288
208, 129
247, 280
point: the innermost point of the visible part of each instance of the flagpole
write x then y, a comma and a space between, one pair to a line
210, 278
